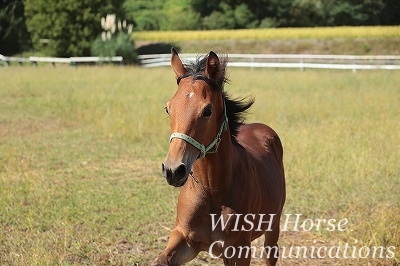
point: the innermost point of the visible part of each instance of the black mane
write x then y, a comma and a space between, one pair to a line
235, 107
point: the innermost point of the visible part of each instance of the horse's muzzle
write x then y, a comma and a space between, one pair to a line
176, 176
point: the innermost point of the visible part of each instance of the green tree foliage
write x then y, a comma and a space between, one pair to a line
146, 14
179, 15
307, 13
244, 18
222, 18
230, 17
14, 37
354, 13
234, 14
67, 27
162, 15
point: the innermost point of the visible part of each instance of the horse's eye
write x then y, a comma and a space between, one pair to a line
166, 110
207, 111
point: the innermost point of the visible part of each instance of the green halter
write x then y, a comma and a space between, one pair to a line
203, 149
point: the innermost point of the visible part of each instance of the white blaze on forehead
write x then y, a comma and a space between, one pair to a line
191, 94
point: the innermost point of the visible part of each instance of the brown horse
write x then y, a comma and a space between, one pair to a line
233, 189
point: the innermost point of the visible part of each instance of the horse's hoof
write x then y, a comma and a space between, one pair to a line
160, 262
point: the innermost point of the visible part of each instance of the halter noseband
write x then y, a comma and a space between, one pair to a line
201, 147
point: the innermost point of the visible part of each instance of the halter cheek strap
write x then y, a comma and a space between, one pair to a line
212, 147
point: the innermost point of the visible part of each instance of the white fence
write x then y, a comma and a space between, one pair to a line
301, 61
6, 60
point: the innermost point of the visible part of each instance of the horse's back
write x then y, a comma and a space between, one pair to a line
264, 146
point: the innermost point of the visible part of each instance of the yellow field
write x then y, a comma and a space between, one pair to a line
272, 33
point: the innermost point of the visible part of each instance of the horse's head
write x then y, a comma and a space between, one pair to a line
197, 115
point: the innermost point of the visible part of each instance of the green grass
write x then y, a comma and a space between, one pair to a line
81, 148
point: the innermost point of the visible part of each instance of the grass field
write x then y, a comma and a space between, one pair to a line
271, 33
372, 40
81, 149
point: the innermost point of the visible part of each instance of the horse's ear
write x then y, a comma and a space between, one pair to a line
177, 64
213, 66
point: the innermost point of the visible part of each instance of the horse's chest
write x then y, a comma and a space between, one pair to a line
193, 218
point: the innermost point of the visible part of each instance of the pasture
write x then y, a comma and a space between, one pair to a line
272, 33
372, 40
81, 152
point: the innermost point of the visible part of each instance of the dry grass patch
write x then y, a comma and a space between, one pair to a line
81, 148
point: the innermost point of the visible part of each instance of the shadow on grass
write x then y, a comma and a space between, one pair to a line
156, 48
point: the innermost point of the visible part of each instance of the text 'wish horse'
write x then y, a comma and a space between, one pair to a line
230, 174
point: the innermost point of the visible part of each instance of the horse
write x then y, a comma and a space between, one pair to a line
232, 191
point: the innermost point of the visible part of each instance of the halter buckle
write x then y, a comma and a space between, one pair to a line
217, 145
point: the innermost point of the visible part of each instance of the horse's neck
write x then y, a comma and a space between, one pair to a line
214, 172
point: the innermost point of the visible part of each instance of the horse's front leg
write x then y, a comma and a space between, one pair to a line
242, 261
177, 252
239, 254
271, 244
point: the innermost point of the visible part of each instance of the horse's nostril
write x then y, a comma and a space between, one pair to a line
174, 175
167, 173
180, 172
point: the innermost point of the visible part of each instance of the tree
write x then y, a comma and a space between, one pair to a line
234, 14
147, 15
307, 13
14, 37
353, 13
244, 18
163, 14
230, 16
204, 7
390, 14
179, 15
67, 27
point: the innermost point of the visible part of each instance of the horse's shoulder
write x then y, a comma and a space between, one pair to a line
256, 131
259, 139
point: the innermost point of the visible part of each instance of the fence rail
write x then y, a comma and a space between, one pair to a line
301, 61
6, 60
